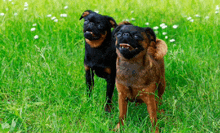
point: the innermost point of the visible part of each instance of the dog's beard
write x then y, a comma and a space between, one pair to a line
128, 51
93, 34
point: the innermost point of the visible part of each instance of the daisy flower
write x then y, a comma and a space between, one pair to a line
15, 14
207, 17
56, 20
2, 14
65, 7
25, 9
25, 4
53, 18
96, 11
35, 24
36, 37
217, 7
49, 15
63, 15
156, 27
166, 37
147, 23
33, 29
132, 19
192, 20
197, 15
172, 40
164, 33
189, 18
175, 26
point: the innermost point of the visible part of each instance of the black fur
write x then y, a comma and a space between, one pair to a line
101, 57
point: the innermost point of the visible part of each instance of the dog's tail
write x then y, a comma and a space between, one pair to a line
158, 50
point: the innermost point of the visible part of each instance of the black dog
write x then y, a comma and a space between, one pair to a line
100, 53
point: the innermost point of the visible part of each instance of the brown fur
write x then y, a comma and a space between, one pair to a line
113, 23
138, 78
158, 50
107, 70
86, 67
124, 23
85, 14
96, 43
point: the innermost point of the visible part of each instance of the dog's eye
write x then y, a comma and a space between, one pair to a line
137, 37
86, 22
100, 26
118, 34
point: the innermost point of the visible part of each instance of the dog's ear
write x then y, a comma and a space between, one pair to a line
85, 13
125, 23
150, 34
111, 21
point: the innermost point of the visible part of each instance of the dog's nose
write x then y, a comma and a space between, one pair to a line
126, 35
91, 24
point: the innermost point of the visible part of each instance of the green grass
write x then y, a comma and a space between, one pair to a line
42, 83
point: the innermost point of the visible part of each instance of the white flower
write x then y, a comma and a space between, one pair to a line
132, 19
96, 11
33, 29
156, 27
216, 12
132, 11
127, 20
197, 15
53, 18
12, 3
166, 37
172, 40
2, 14
164, 33
165, 26
9, 0
147, 23
207, 17
35, 24
161, 25
25, 9
63, 15
217, 7
175, 26
6, 9
36, 37
15, 14
192, 20
49, 15
189, 18
56, 20
65, 7
25, 4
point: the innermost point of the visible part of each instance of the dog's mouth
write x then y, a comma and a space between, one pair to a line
90, 32
91, 35
126, 46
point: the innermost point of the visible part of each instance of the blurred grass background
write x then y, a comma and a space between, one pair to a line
42, 83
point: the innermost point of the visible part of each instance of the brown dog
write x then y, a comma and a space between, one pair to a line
140, 68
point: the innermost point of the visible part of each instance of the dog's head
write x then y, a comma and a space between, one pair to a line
96, 27
131, 40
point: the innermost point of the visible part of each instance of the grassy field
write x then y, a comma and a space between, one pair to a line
42, 82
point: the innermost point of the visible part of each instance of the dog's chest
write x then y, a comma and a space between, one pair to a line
135, 74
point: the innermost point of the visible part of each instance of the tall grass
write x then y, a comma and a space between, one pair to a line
42, 83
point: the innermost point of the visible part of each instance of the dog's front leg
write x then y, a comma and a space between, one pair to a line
110, 89
149, 100
89, 79
123, 103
